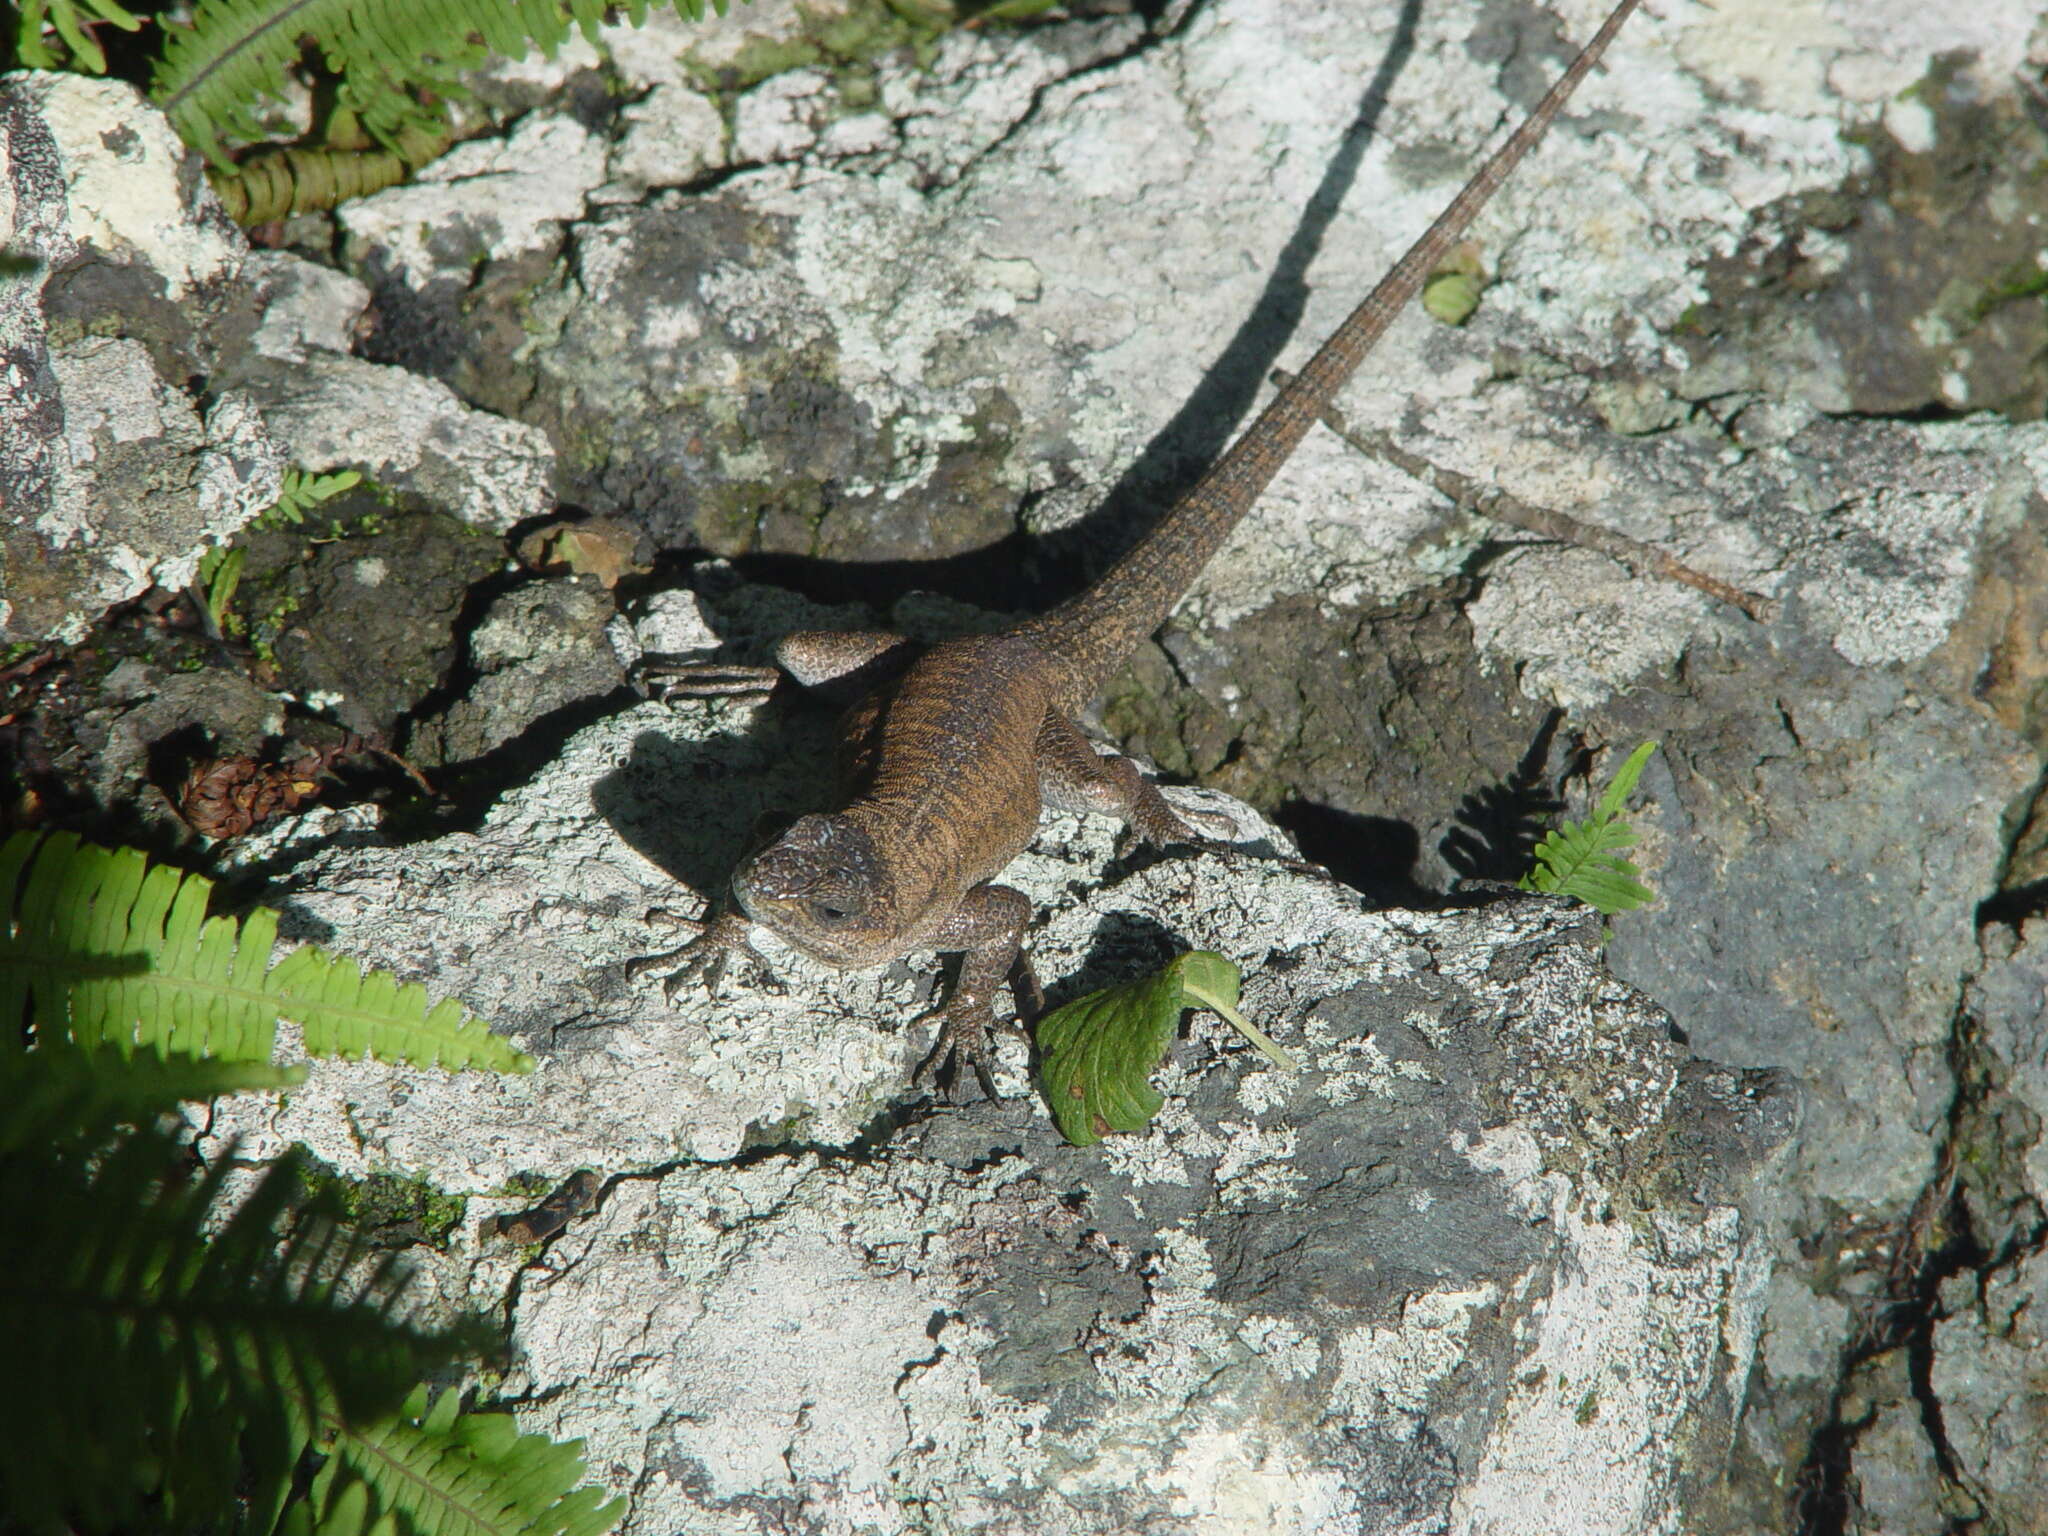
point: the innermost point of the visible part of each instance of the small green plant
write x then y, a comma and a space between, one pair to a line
1580, 859
74, 43
219, 574
1097, 1052
392, 65
301, 492
220, 568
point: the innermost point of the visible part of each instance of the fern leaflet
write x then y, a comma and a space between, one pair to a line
440, 1472
1581, 859
77, 47
151, 1344
58, 1093
107, 950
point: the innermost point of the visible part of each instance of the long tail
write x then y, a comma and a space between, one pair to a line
1094, 633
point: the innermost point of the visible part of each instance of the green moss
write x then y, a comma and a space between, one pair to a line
524, 1186
1588, 1409
392, 1210
2020, 280
846, 44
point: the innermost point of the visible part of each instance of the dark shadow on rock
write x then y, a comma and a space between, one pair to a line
1374, 855
693, 808
1498, 825
1032, 573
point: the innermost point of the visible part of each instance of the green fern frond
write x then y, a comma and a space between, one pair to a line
152, 1345
236, 53
441, 1472
1581, 859
301, 491
104, 949
74, 46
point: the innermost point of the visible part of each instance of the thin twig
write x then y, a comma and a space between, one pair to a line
1491, 501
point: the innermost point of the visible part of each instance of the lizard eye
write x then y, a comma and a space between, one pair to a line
825, 912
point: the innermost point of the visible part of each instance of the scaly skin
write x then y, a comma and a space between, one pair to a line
947, 761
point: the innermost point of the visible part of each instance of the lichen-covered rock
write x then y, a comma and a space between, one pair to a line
1495, 1255
409, 434
112, 475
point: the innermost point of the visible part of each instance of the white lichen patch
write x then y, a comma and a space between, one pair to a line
1354, 1066
1227, 1481
1256, 1169
1384, 1374
1578, 626
487, 197
1625, 1344
123, 189
413, 433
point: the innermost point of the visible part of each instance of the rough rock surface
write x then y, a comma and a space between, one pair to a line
912, 323
1986, 1374
538, 649
1499, 1231
334, 411
112, 477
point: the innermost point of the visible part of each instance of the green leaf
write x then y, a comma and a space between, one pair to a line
1097, 1051
220, 572
103, 948
36, 18
1451, 297
58, 1093
1580, 858
173, 1325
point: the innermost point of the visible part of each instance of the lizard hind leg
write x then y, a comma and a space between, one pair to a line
1073, 776
837, 663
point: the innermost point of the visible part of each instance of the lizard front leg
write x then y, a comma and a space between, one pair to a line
706, 957
989, 926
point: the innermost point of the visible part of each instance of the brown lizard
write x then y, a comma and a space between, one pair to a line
948, 759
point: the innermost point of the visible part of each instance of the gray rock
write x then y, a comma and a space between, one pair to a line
409, 434
369, 620
140, 706
1896, 1476
112, 476
1987, 1376
2008, 999
538, 649
1812, 914
1497, 1254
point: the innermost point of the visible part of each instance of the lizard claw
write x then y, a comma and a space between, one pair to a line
964, 1041
705, 959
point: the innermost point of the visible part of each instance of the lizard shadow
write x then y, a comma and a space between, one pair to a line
1033, 572
693, 806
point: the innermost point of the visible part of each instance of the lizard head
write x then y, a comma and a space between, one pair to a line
820, 886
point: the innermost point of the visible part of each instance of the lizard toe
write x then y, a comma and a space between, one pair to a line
964, 1045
